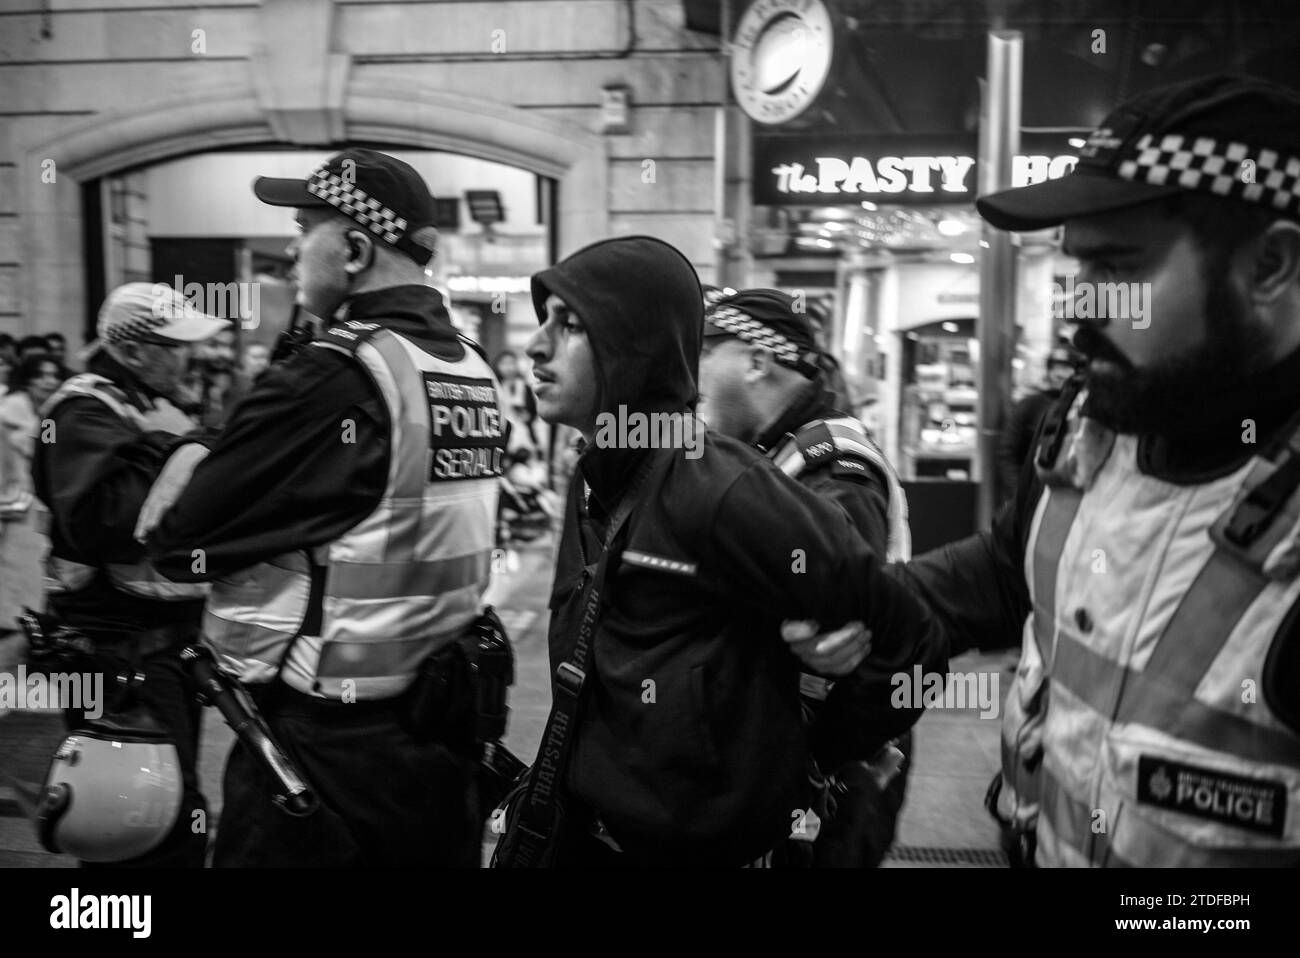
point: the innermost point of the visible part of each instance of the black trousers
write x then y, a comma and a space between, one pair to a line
385, 799
169, 695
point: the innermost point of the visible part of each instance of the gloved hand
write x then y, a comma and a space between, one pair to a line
169, 485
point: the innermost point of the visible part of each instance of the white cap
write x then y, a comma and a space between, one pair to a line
140, 310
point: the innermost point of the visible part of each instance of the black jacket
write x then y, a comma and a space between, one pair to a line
858, 716
281, 477
94, 477
1018, 437
690, 744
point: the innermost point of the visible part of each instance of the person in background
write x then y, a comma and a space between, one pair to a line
1022, 422
22, 540
257, 357
8, 351
220, 385
57, 344
521, 405
30, 345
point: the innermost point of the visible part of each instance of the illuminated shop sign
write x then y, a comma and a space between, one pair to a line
899, 170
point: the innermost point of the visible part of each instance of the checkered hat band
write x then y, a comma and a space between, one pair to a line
752, 331
134, 313
1222, 168
356, 204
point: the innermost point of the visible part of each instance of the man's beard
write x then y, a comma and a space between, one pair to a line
1180, 393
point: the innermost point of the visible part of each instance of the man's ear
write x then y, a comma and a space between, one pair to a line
759, 365
361, 251
1277, 263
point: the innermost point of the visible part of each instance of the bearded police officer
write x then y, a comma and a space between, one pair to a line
107, 434
345, 518
1151, 555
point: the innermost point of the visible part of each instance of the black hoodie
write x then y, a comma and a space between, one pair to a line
690, 745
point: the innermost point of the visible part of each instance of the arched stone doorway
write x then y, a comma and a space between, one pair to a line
51, 282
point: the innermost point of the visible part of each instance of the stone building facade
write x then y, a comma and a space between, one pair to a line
99, 88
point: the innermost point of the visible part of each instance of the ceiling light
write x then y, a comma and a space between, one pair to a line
950, 327
1077, 142
831, 213
868, 205
964, 258
951, 227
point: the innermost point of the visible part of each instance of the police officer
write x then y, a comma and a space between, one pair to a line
105, 436
1150, 556
764, 381
345, 518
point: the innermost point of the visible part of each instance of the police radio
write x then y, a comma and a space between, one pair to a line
298, 335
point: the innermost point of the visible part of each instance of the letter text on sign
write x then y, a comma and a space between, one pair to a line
466, 433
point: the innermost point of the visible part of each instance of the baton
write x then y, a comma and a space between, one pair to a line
290, 790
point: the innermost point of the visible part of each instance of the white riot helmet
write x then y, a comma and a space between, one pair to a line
113, 790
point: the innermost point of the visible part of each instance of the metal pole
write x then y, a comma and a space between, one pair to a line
999, 142
722, 254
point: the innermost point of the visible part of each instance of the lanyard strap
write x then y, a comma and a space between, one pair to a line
539, 805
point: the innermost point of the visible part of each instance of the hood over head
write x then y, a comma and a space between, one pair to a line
640, 302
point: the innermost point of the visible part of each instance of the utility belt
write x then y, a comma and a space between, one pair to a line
66, 647
282, 700
459, 698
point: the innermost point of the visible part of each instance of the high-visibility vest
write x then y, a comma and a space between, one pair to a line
1137, 731
406, 579
845, 441
139, 579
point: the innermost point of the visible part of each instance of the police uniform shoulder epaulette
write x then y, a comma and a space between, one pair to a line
841, 446
347, 335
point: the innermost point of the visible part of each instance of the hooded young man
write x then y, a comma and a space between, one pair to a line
679, 709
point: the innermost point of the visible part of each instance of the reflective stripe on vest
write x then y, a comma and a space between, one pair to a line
406, 579
1022, 726
1156, 665
851, 437
139, 579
